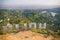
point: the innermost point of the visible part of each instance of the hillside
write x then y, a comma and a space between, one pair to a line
28, 35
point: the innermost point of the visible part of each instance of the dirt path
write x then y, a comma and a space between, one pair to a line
28, 35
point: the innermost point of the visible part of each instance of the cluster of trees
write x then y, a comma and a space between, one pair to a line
28, 16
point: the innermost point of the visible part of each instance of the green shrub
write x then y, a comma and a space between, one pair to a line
13, 31
1, 32
40, 31
9, 31
52, 33
4, 32
58, 32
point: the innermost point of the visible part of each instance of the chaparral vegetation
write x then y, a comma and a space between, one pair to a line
12, 17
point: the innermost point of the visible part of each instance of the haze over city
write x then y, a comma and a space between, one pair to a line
29, 3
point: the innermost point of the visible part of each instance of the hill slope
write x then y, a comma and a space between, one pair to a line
28, 35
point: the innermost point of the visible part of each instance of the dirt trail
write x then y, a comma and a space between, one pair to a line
28, 35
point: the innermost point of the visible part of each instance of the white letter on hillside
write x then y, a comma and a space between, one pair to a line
41, 26
31, 25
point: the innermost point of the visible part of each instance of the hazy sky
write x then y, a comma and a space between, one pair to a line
30, 2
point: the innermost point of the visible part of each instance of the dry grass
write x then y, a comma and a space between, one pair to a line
28, 35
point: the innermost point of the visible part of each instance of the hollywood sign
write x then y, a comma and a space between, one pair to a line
34, 25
